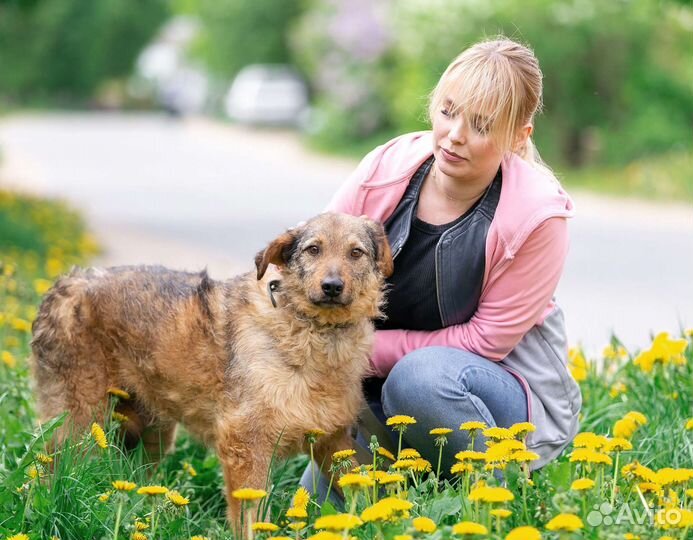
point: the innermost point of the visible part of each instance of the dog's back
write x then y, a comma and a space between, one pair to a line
125, 326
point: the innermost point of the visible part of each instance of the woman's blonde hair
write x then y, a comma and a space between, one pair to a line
498, 79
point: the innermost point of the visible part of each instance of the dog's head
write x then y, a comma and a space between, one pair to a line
333, 267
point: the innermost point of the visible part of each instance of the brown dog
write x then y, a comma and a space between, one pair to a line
244, 376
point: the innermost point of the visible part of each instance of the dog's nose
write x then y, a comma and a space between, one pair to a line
332, 287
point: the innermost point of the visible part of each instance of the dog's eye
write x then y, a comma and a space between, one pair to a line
313, 250
356, 253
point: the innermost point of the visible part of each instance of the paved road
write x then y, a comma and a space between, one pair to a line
194, 193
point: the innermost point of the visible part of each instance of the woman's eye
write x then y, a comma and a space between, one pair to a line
445, 112
313, 250
356, 253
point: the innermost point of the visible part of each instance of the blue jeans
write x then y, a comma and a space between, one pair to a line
443, 387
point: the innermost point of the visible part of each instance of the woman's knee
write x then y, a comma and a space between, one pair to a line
421, 375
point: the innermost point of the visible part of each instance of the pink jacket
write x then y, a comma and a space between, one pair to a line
526, 247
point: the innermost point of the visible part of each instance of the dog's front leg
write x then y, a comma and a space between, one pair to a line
245, 464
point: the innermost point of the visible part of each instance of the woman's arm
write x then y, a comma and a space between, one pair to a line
510, 307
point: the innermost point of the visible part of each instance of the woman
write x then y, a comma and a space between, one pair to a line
478, 229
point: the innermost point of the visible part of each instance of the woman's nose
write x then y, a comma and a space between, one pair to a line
457, 133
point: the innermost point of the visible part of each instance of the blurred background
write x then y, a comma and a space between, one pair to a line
191, 132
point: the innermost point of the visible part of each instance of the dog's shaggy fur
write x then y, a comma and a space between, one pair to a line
241, 375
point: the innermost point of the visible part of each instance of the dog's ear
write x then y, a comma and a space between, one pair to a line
383, 255
278, 252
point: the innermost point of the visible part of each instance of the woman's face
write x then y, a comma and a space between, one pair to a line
462, 146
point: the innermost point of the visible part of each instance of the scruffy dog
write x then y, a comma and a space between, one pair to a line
247, 365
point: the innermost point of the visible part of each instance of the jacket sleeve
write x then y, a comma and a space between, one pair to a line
511, 306
346, 199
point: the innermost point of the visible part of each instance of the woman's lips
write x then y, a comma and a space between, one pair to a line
449, 156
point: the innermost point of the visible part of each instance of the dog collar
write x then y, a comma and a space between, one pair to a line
272, 286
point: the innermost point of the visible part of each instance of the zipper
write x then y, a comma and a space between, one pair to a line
437, 269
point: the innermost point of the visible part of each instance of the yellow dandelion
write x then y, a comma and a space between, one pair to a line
506, 445
8, 359
491, 494
198, 537
119, 417
386, 453
104, 497
409, 453
461, 468
118, 392
565, 522
470, 455
522, 428
152, 490
248, 494
325, 535
689, 425
138, 536
523, 456
386, 509
341, 455
189, 469
18, 537
617, 444
296, 513
650, 487
588, 439
524, 533
617, 389
637, 417
338, 522
400, 420
403, 537
390, 478
630, 536
424, 524
473, 426
140, 525
123, 485
315, 432
439, 432
21, 325
501, 513
301, 498
43, 458
41, 286
265, 526
582, 484
403, 464
468, 528
355, 481
421, 465
176, 498
297, 525
497, 433
99, 436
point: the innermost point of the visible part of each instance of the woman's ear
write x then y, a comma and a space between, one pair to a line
523, 134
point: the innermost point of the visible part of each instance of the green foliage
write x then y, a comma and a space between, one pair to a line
61, 50
236, 33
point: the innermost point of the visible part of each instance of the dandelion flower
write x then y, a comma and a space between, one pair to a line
341, 455
421, 465
390, 478
198, 537
325, 535
497, 433
176, 498
491, 494
99, 435
424, 524
119, 417
189, 469
523, 456
460, 468
468, 528
522, 428
297, 525
470, 455
386, 453
338, 522
617, 444
582, 484
689, 425
385, 509
123, 485
565, 522
104, 497
8, 359
18, 537
588, 439
400, 420
355, 481
403, 537
41, 286
296, 513
264, 526
152, 490
403, 464
118, 392
315, 432
409, 453
43, 458
524, 533
438, 432
501, 513
637, 417
301, 498
473, 426
138, 536
140, 525
248, 494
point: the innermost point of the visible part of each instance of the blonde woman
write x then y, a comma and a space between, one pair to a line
478, 230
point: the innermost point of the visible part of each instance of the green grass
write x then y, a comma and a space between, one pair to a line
62, 499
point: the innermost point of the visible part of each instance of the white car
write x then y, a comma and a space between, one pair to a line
267, 94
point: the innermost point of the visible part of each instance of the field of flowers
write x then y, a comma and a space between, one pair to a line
628, 474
